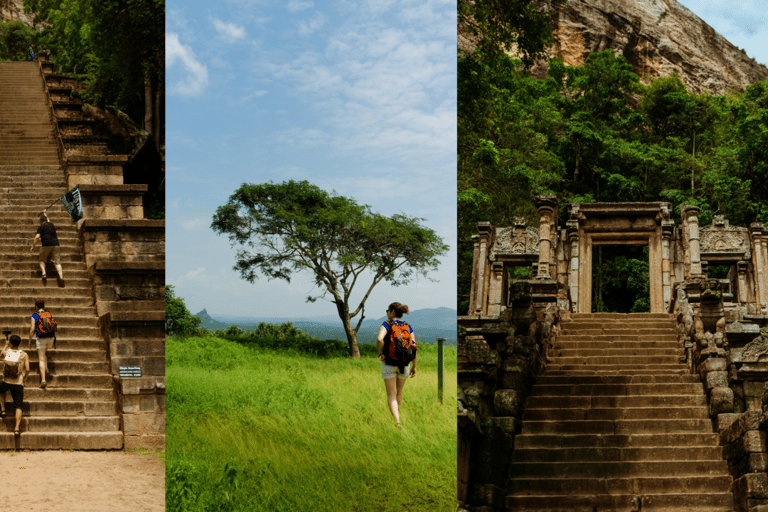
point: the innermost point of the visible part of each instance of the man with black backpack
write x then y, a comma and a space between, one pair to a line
15, 369
43, 328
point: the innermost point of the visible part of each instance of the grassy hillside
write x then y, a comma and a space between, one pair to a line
255, 429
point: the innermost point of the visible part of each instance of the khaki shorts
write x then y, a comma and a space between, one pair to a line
44, 343
388, 372
51, 253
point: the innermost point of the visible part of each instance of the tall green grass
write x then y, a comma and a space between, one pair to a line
256, 429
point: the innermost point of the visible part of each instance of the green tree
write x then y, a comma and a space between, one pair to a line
178, 320
296, 226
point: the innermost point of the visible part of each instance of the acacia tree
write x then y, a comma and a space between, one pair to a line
296, 226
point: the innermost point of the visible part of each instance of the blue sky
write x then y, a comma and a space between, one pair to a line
743, 23
354, 96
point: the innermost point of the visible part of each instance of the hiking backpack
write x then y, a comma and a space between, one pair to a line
45, 327
399, 347
12, 364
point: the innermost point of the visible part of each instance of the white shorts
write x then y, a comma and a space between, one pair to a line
44, 343
388, 372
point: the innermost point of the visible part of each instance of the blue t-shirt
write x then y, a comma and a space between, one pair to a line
396, 322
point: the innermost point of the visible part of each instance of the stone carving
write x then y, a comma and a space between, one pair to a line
720, 237
755, 348
510, 241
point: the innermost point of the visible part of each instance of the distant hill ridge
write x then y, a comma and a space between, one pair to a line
428, 324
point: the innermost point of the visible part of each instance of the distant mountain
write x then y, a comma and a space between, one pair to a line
428, 324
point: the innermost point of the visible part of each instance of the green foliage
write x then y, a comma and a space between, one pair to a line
178, 320
116, 45
594, 133
15, 38
296, 226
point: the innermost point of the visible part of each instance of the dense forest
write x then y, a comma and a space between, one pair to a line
115, 47
595, 133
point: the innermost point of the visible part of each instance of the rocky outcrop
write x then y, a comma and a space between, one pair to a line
658, 37
14, 10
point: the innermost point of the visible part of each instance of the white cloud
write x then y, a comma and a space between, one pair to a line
194, 224
193, 274
197, 78
298, 5
228, 30
307, 27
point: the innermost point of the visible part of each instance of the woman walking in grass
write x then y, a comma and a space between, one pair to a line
397, 348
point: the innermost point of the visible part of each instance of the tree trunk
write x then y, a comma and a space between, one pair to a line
148, 103
343, 311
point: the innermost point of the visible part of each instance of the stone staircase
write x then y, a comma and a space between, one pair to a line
617, 423
78, 409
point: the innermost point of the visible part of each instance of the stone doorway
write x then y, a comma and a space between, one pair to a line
620, 279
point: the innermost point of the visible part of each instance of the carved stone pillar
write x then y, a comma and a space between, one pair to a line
667, 227
547, 206
690, 216
484, 236
496, 288
573, 274
756, 235
741, 269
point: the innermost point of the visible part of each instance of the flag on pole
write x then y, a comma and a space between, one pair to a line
73, 204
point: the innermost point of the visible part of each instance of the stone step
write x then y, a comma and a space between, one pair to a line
65, 368
605, 469
603, 454
581, 371
640, 334
36, 394
617, 413
695, 502
602, 402
616, 352
69, 381
68, 355
679, 439
64, 408
643, 426
637, 485
61, 440
622, 317
599, 360
670, 388
619, 369
593, 343
546, 378
63, 423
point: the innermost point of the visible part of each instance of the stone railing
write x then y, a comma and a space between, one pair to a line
498, 360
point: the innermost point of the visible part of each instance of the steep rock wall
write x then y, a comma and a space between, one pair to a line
658, 37
14, 10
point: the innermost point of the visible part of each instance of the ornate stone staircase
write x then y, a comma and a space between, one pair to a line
616, 423
79, 407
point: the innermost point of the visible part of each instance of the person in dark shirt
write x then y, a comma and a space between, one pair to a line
50, 250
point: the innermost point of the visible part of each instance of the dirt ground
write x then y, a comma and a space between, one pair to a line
60, 480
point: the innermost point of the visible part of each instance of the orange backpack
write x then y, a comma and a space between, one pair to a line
399, 347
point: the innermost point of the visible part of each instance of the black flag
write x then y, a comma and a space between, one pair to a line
73, 204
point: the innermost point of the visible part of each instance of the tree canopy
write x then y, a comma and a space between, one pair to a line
596, 132
295, 226
116, 46
178, 320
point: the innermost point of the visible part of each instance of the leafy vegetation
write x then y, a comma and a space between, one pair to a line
178, 320
296, 226
117, 48
251, 428
596, 133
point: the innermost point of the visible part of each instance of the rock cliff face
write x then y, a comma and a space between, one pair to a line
658, 37
14, 10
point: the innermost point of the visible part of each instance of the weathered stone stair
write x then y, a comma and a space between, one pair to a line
79, 407
616, 423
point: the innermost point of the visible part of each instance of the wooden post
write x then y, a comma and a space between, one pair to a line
440, 360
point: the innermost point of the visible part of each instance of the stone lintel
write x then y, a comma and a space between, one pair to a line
128, 267
120, 225
133, 317
87, 189
96, 159
621, 209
